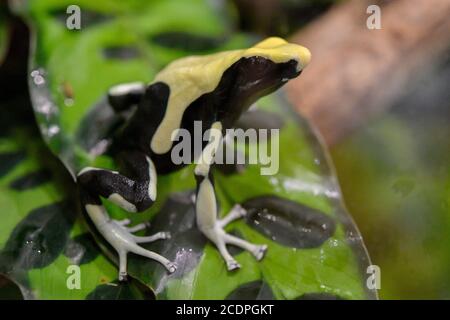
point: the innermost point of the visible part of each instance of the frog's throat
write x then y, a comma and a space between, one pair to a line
189, 78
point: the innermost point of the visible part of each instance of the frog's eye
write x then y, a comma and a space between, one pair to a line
187, 41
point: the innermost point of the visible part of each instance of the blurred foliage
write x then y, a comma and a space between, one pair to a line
395, 176
279, 17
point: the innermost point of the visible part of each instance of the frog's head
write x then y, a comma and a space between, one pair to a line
263, 69
237, 77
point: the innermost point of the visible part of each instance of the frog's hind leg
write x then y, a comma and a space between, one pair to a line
134, 192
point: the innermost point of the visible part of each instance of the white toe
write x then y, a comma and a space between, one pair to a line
260, 251
123, 276
233, 265
171, 267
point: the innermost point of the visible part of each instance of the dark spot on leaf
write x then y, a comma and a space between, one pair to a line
186, 245
118, 291
82, 249
31, 180
121, 52
289, 223
9, 160
187, 41
9, 290
39, 238
318, 296
255, 290
88, 17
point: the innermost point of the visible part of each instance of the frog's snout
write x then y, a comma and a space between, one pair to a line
291, 69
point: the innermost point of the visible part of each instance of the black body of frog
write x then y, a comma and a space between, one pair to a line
134, 187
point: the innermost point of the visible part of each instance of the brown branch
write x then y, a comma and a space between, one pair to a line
357, 73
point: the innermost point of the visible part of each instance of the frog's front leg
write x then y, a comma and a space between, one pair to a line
206, 206
133, 192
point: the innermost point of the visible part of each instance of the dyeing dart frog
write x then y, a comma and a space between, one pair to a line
214, 89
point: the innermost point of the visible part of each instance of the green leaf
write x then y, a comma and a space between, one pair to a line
323, 254
36, 225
